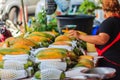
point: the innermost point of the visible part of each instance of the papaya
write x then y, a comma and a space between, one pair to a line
9, 41
13, 51
38, 39
80, 65
72, 56
52, 53
81, 32
20, 46
62, 43
43, 34
53, 33
1, 57
86, 57
21, 41
86, 62
63, 38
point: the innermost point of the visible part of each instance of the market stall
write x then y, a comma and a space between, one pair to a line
43, 53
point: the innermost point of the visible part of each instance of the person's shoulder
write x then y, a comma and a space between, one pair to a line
109, 20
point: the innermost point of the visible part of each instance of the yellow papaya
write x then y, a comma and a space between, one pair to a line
38, 39
72, 56
20, 46
63, 38
13, 51
52, 53
21, 41
86, 57
62, 43
53, 33
1, 57
86, 62
41, 34
9, 41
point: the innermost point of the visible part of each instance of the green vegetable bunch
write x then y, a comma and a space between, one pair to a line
87, 7
40, 23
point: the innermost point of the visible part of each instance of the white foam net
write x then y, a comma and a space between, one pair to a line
69, 48
53, 64
16, 57
8, 74
14, 64
50, 74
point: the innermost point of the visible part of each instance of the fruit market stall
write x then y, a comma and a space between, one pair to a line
47, 55
42, 53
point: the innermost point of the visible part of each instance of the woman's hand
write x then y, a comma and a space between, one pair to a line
74, 33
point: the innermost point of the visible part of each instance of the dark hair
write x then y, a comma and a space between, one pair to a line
111, 5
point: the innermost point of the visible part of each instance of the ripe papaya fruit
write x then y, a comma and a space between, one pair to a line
52, 53
86, 62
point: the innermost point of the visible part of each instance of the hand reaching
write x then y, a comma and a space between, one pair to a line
74, 33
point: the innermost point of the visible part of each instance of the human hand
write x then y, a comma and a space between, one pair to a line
74, 33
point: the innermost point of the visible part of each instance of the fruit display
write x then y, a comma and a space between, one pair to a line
43, 55
59, 57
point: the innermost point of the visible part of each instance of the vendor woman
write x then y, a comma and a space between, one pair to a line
107, 40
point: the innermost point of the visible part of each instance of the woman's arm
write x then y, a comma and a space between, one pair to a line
99, 39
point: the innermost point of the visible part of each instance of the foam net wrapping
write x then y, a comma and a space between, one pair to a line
16, 57
69, 48
9, 74
50, 74
14, 64
53, 64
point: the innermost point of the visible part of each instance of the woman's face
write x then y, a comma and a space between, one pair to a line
107, 14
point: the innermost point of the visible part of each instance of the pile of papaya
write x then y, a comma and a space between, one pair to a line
46, 46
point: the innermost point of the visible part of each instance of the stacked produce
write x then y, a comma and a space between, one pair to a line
63, 54
52, 63
14, 64
46, 55
15, 60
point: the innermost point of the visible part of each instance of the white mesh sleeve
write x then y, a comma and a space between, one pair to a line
16, 57
14, 64
53, 64
8, 74
50, 74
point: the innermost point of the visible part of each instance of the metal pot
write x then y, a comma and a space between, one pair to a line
103, 72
